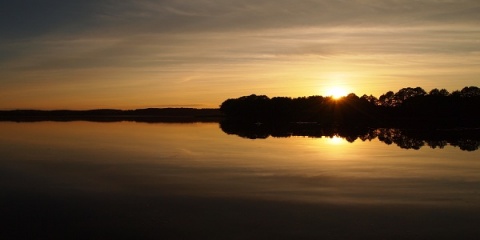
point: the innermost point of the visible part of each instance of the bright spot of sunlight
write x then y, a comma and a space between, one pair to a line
335, 140
337, 92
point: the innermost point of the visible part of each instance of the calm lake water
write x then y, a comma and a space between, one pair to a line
89, 180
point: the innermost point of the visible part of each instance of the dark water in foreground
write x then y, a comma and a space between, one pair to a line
84, 180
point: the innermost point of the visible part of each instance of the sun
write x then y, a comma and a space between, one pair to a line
337, 92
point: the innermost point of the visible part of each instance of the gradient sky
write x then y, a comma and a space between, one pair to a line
197, 53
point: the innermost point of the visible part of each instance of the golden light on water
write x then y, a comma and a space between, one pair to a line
335, 140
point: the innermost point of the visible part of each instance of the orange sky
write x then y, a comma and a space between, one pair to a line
135, 54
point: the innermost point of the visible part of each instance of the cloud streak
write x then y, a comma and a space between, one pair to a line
209, 50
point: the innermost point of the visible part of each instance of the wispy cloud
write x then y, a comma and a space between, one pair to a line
212, 49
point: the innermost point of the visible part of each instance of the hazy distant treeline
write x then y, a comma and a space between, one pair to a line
111, 115
406, 107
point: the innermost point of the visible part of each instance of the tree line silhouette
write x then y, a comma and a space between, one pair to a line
152, 115
405, 108
409, 107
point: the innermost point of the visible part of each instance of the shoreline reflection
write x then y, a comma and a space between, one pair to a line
465, 139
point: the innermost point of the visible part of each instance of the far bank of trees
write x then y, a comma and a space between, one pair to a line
406, 107
114, 115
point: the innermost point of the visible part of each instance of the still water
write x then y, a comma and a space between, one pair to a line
193, 181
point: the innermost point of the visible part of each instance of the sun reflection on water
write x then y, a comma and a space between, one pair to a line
335, 140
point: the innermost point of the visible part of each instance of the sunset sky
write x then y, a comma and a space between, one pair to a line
197, 53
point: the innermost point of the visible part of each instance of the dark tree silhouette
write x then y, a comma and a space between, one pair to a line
436, 92
387, 99
409, 107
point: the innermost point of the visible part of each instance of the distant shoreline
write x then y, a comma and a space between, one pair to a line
114, 115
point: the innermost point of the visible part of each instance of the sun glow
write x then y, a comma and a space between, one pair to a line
337, 92
335, 140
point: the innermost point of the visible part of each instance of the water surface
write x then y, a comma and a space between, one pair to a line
190, 181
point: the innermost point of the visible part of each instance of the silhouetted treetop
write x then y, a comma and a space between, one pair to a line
396, 99
470, 92
437, 92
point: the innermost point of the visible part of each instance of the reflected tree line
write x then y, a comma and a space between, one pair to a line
465, 139
406, 108
436, 118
